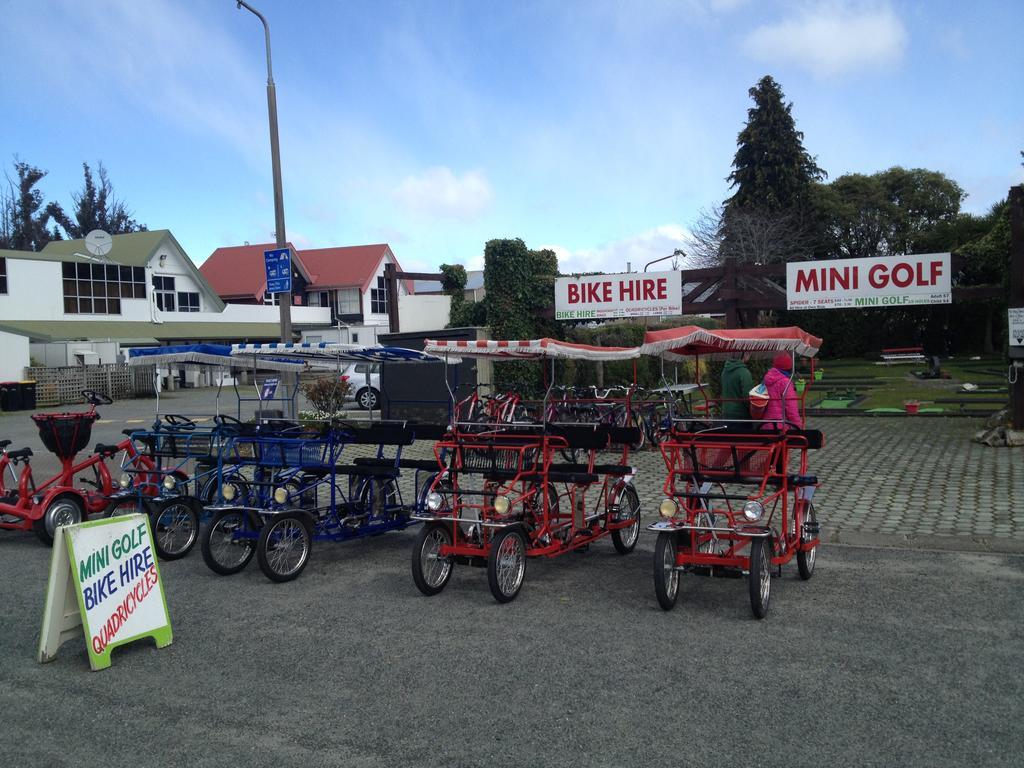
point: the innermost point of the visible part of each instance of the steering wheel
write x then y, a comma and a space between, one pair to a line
95, 398
223, 420
181, 422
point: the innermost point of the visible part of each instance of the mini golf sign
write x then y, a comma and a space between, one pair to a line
597, 297
104, 578
889, 281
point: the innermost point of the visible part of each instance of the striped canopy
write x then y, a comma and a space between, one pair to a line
690, 340
326, 352
528, 349
203, 356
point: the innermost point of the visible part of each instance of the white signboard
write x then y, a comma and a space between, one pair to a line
109, 568
888, 281
633, 294
1016, 315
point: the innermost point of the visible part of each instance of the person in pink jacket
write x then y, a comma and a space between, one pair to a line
783, 410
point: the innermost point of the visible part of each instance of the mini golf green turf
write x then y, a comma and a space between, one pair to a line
844, 403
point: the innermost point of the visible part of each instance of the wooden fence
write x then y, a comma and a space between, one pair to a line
57, 386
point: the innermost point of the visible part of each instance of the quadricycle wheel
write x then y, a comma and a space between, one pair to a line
506, 564
625, 539
229, 541
285, 545
760, 579
666, 577
805, 559
430, 570
175, 526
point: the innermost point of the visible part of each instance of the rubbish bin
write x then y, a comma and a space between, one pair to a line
28, 395
10, 396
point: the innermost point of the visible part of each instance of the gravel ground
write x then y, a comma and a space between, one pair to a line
885, 657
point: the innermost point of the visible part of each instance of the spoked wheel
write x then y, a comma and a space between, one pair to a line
175, 527
625, 539
666, 577
239, 490
431, 570
805, 559
66, 510
284, 547
380, 498
506, 564
229, 542
760, 579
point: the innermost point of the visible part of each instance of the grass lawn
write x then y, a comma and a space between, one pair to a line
894, 385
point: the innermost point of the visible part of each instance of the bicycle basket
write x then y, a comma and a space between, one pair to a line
64, 434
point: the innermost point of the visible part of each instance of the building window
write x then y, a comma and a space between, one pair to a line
379, 297
3, 275
272, 298
163, 289
348, 301
355, 338
188, 302
97, 289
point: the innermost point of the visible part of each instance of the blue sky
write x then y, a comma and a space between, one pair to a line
598, 128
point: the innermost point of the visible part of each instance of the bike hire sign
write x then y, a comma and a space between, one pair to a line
888, 281
104, 578
633, 294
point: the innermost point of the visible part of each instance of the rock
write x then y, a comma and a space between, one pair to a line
1015, 438
995, 437
998, 418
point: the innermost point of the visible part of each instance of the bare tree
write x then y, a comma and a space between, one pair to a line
749, 236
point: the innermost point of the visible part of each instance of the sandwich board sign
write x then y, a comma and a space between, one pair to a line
104, 582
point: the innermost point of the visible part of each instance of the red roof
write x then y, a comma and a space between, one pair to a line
238, 271
347, 267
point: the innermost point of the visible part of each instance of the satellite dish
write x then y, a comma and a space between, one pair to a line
98, 242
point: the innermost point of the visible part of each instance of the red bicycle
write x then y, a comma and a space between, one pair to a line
43, 507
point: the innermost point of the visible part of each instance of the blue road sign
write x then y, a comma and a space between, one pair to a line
269, 389
279, 270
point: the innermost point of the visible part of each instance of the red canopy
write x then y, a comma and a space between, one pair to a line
527, 349
689, 340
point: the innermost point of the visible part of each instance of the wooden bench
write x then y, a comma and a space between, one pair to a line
903, 355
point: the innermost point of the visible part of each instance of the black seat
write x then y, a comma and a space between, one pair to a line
575, 478
613, 469
107, 450
799, 480
4, 444
366, 469
130, 432
20, 453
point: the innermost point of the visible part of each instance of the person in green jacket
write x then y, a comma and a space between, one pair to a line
736, 385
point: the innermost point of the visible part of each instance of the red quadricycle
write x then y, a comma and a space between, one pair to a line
501, 497
739, 495
44, 506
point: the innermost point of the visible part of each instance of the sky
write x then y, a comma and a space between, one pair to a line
600, 129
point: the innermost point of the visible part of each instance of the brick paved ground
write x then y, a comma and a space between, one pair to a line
885, 481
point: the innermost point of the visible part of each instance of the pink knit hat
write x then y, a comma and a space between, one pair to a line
783, 362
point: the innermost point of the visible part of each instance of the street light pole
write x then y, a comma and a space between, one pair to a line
275, 159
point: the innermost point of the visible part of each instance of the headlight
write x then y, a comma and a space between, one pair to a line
434, 501
124, 481
229, 492
170, 482
668, 508
501, 504
753, 510
280, 495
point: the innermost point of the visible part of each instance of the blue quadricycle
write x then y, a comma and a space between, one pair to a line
311, 487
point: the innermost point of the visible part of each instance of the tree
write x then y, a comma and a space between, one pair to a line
95, 208
754, 237
887, 213
519, 292
23, 219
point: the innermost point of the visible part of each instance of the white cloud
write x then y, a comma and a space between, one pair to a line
439, 192
636, 250
832, 39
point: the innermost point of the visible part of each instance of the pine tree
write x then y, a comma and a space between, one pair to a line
23, 220
772, 172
